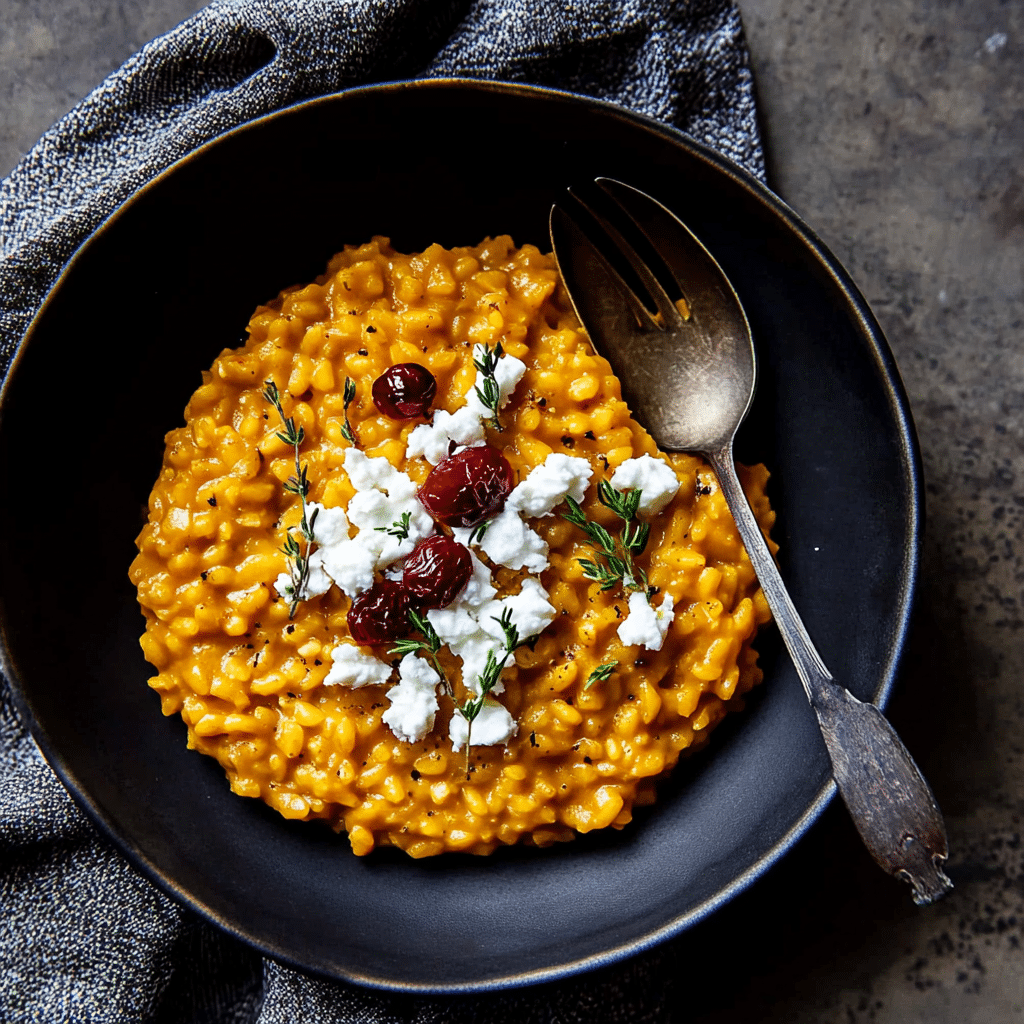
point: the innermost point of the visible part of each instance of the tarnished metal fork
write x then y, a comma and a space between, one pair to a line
689, 378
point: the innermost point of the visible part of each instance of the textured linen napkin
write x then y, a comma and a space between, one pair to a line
83, 936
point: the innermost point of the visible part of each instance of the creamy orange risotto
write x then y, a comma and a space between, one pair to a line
411, 567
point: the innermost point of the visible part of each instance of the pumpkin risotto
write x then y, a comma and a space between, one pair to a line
411, 566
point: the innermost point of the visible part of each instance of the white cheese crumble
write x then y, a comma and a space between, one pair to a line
479, 587
547, 485
656, 479
317, 582
465, 427
471, 629
383, 496
492, 726
531, 611
646, 626
413, 700
433, 440
375, 513
507, 374
344, 561
352, 666
327, 522
508, 540
330, 525
458, 627
369, 474
349, 564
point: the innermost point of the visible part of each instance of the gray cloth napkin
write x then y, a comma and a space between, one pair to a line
83, 937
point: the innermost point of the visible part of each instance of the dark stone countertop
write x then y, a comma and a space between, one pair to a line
896, 130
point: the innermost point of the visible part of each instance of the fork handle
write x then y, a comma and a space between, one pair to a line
887, 797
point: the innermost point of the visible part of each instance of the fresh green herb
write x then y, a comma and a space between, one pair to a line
477, 536
348, 396
430, 644
298, 483
615, 565
493, 668
600, 674
623, 503
490, 394
399, 528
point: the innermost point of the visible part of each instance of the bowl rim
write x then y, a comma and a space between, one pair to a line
909, 452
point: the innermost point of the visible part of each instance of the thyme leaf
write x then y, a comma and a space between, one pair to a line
490, 393
422, 625
477, 536
348, 396
600, 674
399, 528
404, 647
623, 503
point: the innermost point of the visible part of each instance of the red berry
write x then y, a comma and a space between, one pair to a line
467, 487
404, 391
380, 615
436, 571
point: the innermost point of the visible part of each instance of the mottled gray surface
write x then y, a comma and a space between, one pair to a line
896, 129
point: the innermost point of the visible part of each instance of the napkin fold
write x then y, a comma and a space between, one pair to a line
83, 937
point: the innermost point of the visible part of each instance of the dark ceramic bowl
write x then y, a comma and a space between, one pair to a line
171, 279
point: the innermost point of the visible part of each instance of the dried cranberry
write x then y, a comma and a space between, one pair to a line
404, 391
436, 571
467, 487
380, 614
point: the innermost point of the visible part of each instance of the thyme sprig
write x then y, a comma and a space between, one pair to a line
348, 396
430, 644
399, 528
477, 536
615, 566
490, 393
493, 667
600, 674
297, 483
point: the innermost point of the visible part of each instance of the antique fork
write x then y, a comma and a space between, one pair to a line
690, 380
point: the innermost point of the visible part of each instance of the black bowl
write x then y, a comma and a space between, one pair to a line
172, 278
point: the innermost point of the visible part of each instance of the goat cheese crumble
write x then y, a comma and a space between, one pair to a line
645, 625
383, 496
547, 485
508, 540
344, 561
465, 427
471, 629
413, 700
492, 726
329, 523
352, 666
433, 441
656, 479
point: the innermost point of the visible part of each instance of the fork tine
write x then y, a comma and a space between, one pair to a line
670, 314
698, 275
580, 260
